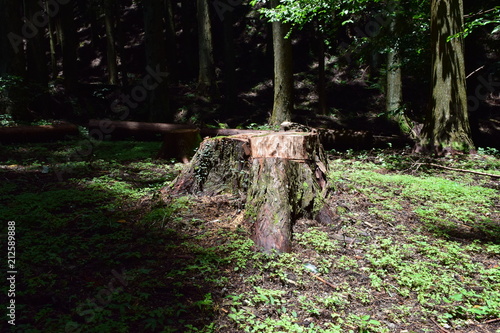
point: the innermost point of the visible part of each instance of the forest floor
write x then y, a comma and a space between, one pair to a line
99, 247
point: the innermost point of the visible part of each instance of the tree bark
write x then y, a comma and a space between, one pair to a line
321, 77
188, 39
159, 109
229, 64
110, 8
206, 74
36, 61
12, 59
66, 30
171, 41
446, 127
394, 87
283, 73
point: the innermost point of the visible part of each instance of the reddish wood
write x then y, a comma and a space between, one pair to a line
38, 133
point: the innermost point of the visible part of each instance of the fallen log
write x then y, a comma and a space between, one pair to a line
39, 133
136, 129
329, 138
281, 175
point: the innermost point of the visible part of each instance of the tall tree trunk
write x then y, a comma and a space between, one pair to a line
68, 39
110, 9
206, 73
171, 40
52, 43
12, 59
394, 88
229, 64
446, 127
35, 58
321, 77
189, 45
283, 73
159, 110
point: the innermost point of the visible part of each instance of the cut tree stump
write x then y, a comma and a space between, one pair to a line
282, 176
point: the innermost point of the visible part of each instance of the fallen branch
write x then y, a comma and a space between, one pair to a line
439, 326
323, 280
491, 321
460, 170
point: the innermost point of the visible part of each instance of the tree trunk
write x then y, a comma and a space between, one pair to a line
110, 9
66, 31
36, 62
394, 88
12, 61
321, 77
229, 64
446, 127
206, 74
283, 73
52, 43
156, 58
171, 41
188, 39
283, 174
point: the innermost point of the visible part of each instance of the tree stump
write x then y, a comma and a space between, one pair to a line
282, 176
288, 177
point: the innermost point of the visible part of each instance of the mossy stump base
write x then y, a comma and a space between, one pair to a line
282, 175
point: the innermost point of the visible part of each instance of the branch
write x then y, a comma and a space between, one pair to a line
461, 170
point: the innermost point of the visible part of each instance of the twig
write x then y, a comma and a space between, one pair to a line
491, 321
440, 328
323, 280
461, 170
477, 70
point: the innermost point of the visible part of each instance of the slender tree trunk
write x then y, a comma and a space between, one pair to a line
68, 39
283, 73
206, 73
447, 128
171, 40
36, 59
52, 44
188, 40
110, 9
159, 110
12, 60
229, 64
394, 88
321, 77
13, 99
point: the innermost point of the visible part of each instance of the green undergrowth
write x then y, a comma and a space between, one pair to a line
410, 249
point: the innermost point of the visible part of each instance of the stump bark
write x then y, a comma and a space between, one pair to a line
281, 175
